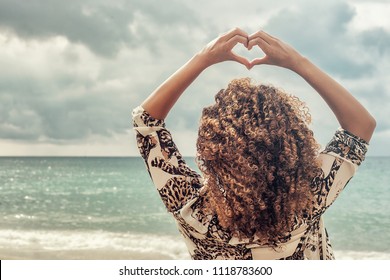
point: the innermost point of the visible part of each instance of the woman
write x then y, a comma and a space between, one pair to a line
264, 186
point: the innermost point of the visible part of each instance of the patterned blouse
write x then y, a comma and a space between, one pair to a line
179, 187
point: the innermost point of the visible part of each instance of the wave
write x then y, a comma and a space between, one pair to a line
66, 244
28, 244
362, 255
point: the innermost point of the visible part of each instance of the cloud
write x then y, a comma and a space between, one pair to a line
45, 95
103, 26
72, 70
319, 31
377, 40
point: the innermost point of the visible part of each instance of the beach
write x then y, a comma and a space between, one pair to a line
99, 245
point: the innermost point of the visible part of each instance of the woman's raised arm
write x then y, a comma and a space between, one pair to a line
350, 113
160, 102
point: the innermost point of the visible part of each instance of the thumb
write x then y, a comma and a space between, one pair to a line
258, 61
240, 59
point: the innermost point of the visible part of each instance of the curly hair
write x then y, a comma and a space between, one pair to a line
259, 158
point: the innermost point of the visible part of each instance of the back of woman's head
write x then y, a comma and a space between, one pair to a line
259, 158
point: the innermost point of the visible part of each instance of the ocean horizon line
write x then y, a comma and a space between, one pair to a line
116, 156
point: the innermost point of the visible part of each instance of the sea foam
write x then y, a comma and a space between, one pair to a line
144, 246
110, 245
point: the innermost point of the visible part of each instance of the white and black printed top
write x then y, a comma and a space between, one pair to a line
179, 187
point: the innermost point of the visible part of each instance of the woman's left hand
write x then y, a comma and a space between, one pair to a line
220, 49
160, 102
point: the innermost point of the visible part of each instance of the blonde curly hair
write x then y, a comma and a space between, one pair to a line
259, 158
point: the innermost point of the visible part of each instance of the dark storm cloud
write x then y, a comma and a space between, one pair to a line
102, 26
74, 119
29, 113
377, 40
33, 107
319, 31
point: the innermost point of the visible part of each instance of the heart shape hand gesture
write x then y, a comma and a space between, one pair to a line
276, 52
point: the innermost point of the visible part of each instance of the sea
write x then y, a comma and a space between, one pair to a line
107, 208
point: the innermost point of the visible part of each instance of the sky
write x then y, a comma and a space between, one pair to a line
72, 71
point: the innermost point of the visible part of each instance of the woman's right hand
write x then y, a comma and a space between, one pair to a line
276, 52
350, 113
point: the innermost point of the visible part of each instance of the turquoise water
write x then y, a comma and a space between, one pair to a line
112, 194
359, 220
68, 203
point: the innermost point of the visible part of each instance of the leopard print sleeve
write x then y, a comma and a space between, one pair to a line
340, 160
347, 146
175, 181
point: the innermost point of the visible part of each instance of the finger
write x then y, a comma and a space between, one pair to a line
258, 61
262, 35
232, 42
258, 42
254, 35
233, 32
240, 59
268, 35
